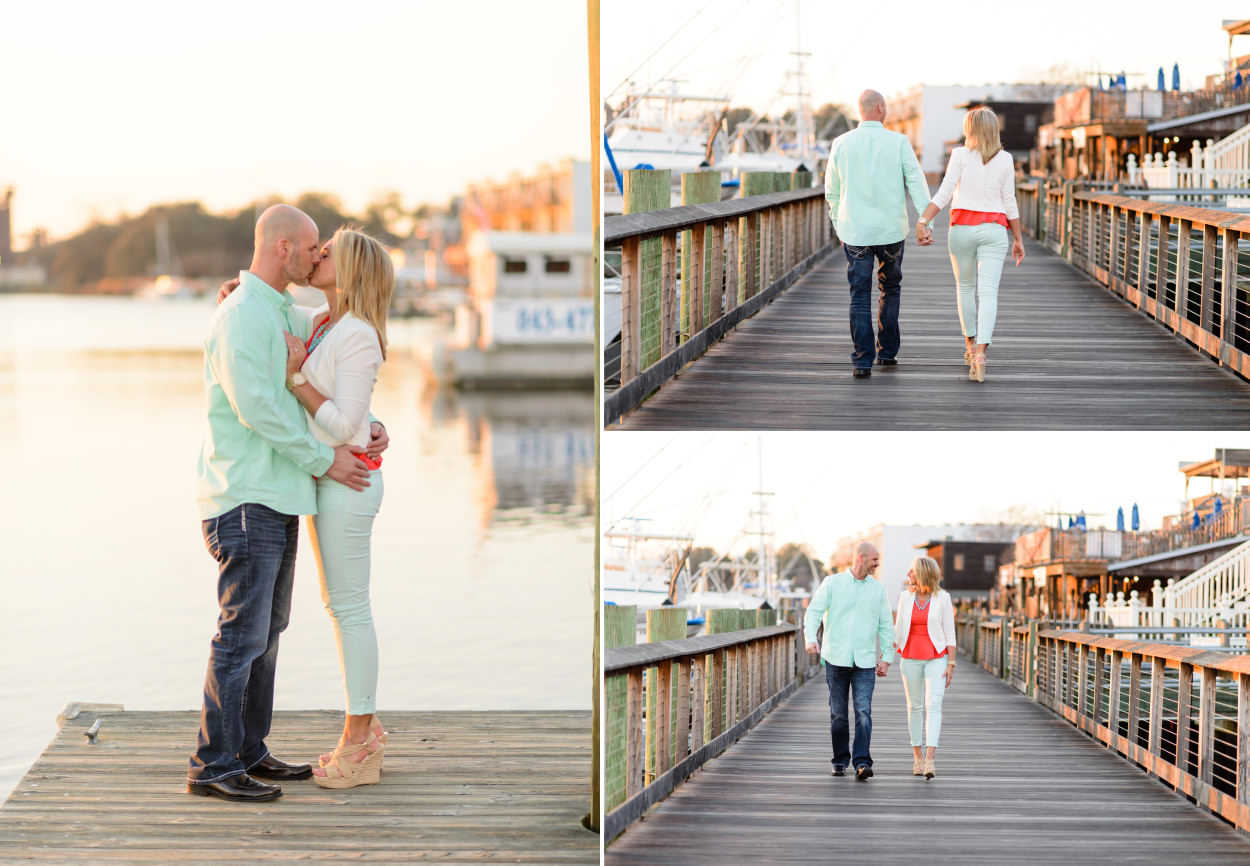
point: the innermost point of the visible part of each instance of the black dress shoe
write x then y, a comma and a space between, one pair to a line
272, 768
861, 373
240, 788
863, 773
838, 770
887, 362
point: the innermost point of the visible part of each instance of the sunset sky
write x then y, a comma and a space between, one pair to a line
111, 107
740, 48
831, 485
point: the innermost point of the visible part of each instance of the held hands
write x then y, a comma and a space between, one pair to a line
883, 668
924, 235
295, 354
1017, 251
226, 288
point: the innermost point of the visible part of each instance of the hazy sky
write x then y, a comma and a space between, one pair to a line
741, 47
110, 107
831, 485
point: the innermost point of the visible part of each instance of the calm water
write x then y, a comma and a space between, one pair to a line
483, 550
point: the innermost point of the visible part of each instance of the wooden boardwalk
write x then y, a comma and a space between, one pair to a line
1015, 784
457, 787
1067, 354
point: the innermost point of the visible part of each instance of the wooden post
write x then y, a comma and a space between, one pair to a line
1243, 746
1155, 735
1113, 702
1228, 295
631, 309
620, 628
1095, 709
1031, 661
698, 701
662, 751
715, 287
752, 183
1161, 266
668, 293
1134, 700
697, 187
733, 266
1183, 230
1113, 266
1143, 260
694, 284
663, 623
633, 735
647, 190
1206, 730
1082, 674
1184, 701
1206, 319
681, 731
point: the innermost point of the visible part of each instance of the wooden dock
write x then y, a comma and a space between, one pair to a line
1067, 354
457, 786
1015, 784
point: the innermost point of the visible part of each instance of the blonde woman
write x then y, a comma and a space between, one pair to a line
924, 635
332, 375
980, 185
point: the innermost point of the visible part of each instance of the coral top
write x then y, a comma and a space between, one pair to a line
919, 646
961, 217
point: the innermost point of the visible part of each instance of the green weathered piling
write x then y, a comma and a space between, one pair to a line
620, 628
697, 187
646, 190
664, 623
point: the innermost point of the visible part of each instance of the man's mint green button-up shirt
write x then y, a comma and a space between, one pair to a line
856, 616
257, 448
870, 169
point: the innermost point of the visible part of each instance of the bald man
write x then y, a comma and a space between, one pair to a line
858, 647
256, 475
869, 170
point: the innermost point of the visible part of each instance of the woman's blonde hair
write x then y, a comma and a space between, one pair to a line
927, 573
982, 125
366, 278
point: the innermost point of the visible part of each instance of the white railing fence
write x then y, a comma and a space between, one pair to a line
1222, 582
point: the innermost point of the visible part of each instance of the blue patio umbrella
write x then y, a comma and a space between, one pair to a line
1162, 86
1119, 519
1196, 521
1071, 522
1121, 83
1136, 523
1237, 81
1080, 520
1176, 76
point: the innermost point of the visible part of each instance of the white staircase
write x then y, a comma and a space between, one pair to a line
1220, 585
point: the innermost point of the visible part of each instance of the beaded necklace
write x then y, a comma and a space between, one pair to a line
318, 332
924, 606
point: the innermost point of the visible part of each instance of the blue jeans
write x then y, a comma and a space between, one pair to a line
255, 551
860, 683
860, 264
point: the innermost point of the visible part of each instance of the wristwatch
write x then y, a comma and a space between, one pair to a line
297, 379
922, 222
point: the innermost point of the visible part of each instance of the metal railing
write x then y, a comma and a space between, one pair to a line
725, 683
1178, 264
756, 247
1180, 713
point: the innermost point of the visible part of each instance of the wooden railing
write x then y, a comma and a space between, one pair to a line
744, 252
1180, 713
725, 683
1178, 264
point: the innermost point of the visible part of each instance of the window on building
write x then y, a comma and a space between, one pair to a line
514, 266
991, 564
554, 265
959, 562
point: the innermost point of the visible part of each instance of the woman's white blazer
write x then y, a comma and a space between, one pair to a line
941, 620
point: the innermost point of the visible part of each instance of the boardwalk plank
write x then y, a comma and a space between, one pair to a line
1067, 354
1015, 785
457, 787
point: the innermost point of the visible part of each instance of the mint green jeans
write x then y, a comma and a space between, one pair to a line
977, 256
341, 533
924, 685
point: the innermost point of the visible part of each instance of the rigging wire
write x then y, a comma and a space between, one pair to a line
651, 56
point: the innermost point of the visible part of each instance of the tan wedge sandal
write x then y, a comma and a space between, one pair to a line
342, 773
378, 731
